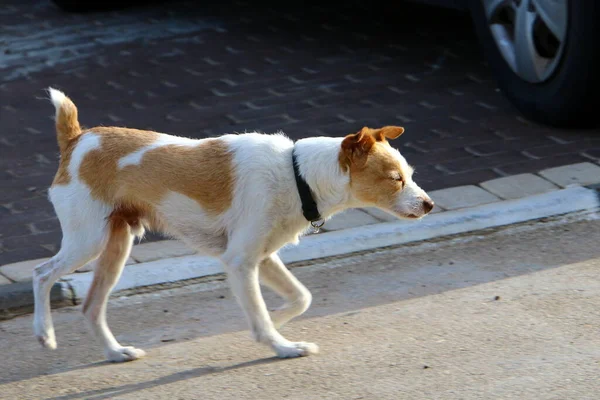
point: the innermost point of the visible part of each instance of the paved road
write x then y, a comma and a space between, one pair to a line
204, 68
475, 317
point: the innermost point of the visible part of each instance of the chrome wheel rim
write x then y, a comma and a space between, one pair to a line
530, 35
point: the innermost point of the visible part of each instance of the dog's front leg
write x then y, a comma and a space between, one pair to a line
275, 275
242, 271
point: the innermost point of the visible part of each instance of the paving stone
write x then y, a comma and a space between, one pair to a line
575, 174
90, 266
534, 166
158, 250
473, 163
25, 253
4, 280
592, 153
518, 186
554, 150
434, 181
461, 197
349, 219
21, 271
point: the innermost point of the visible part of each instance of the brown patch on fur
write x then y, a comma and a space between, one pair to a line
203, 172
371, 167
135, 217
132, 140
99, 167
356, 146
387, 132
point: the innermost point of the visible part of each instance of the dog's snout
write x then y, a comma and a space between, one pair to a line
428, 205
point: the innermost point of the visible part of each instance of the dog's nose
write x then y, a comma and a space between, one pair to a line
428, 205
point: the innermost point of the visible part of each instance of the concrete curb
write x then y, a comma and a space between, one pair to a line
17, 298
363, 238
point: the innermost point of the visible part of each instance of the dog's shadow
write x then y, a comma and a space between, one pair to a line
111, 392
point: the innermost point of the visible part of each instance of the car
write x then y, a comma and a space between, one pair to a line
544, 54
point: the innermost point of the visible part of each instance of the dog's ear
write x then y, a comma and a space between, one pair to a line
387, 132
356, 146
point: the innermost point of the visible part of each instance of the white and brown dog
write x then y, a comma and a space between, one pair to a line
236, 197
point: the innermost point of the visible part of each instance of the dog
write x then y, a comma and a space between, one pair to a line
237, 197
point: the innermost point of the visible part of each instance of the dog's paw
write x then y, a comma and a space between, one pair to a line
122, 354
44, 335
47, 341
296, 349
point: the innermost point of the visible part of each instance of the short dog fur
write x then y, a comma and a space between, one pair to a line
233, 197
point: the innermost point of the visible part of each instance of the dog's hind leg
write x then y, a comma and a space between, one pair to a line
275, 275
83, 223
78, 248
107, 271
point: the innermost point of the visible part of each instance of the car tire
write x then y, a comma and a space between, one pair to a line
566, 97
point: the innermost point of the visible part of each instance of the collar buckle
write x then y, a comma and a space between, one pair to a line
316, 225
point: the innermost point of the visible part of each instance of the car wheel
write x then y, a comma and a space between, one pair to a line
545, 56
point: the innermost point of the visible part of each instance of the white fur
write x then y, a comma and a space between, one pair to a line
184, 218
88, 142
135, 158
57, 98
319, 166
265, 214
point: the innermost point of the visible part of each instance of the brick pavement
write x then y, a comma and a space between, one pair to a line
204, 69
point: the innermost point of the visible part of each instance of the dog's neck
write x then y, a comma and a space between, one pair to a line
318, 161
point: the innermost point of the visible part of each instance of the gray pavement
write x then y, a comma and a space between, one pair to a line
509, 313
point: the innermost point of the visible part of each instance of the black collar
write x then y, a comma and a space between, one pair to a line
309, 205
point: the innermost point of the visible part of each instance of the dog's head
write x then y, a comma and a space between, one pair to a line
380, 176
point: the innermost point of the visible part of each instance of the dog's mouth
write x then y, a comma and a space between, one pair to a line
409, 215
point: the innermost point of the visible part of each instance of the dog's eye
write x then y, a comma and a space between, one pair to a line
398, 178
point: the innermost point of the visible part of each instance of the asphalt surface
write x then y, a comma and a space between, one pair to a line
472, 317
205, 68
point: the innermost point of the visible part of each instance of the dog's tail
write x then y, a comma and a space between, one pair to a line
67, 125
